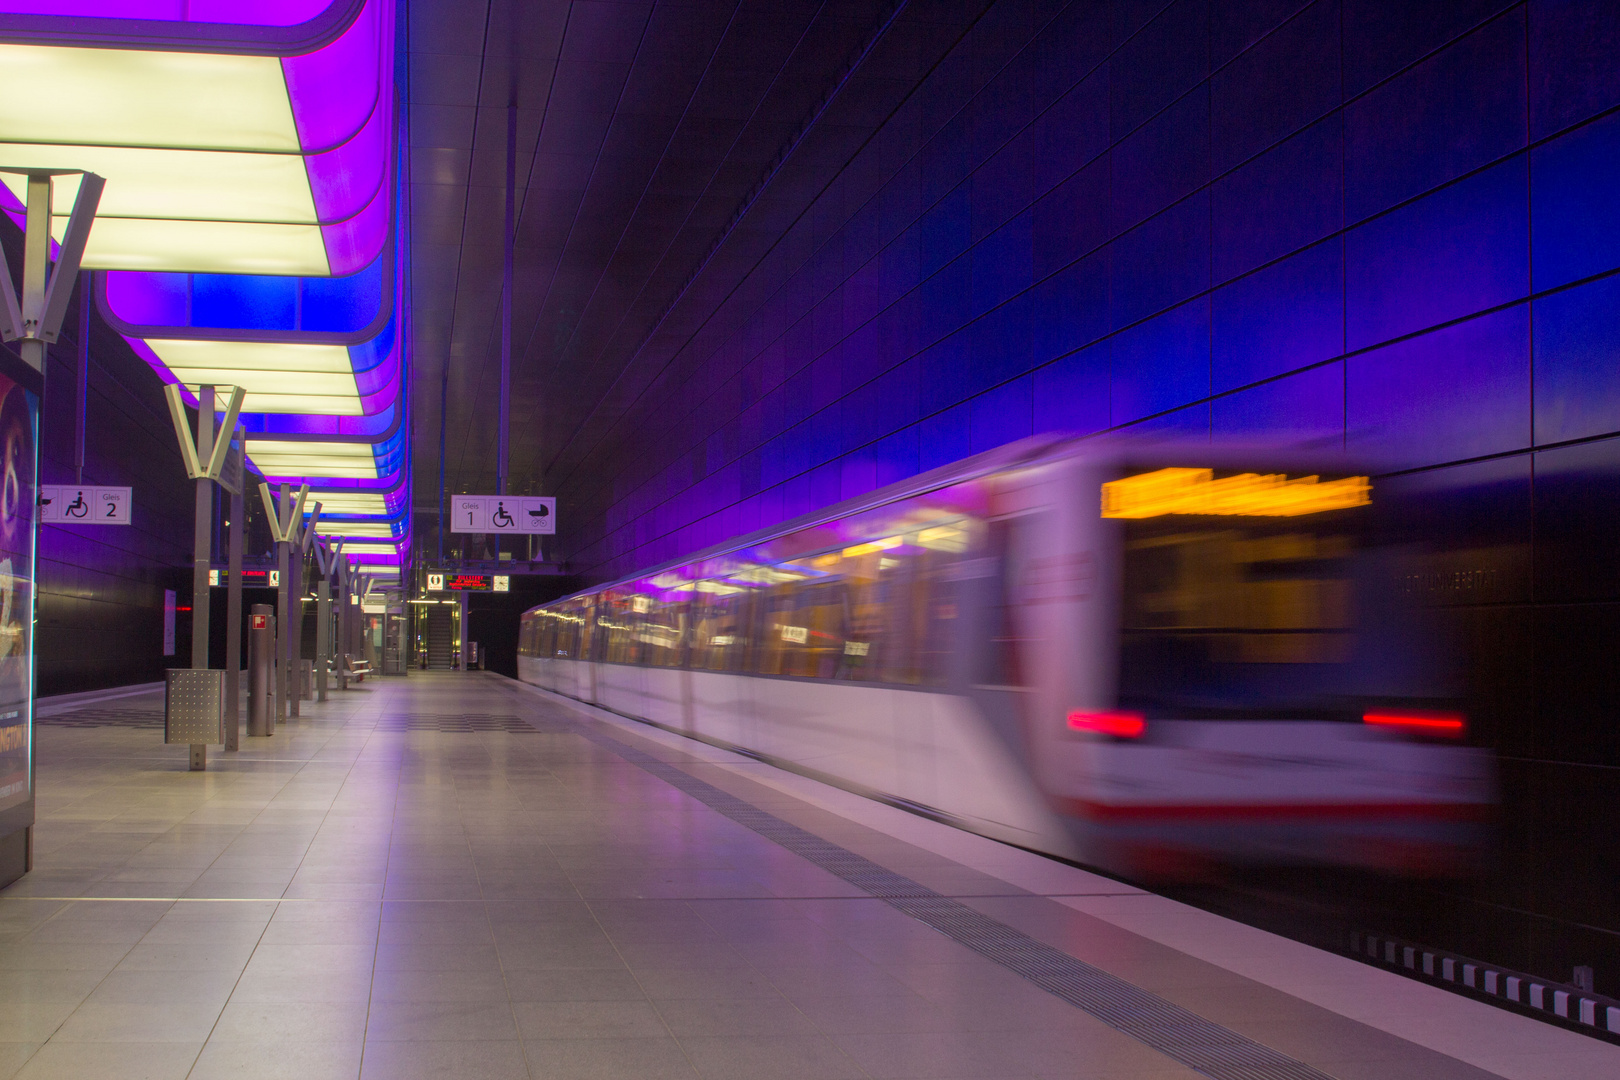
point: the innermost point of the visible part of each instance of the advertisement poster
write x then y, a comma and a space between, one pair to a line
19, 418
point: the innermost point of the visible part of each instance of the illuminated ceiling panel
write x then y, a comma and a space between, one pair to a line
372, 503
379, 530
118, 97
244, 154
323, 459
277, 378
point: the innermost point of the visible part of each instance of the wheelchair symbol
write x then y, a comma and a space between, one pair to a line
78, 508
501, 519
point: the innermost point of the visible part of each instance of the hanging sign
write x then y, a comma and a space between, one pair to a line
525, 514
251, 579
75, 504
231, 472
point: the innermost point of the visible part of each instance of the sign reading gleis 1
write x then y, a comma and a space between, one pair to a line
503, 514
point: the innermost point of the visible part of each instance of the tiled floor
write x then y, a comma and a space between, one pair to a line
389, 889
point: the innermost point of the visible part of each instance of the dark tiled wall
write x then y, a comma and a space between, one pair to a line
1392, 224
100, 589
99, 617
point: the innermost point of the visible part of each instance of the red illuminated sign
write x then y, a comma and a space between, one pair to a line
261, 622
468, 582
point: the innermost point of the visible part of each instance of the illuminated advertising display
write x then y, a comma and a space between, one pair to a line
251, 579
19, 425
443, 581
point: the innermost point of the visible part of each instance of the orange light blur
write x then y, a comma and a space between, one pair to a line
1121, 725
1196, 491
1444, 725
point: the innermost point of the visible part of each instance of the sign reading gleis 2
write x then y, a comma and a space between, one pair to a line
72, 504
503, 514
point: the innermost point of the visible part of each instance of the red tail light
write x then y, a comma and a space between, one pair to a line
1439, 725
1121, 725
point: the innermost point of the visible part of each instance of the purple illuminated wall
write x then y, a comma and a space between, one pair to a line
1391, 225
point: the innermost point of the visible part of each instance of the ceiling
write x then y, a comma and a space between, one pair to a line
659, 147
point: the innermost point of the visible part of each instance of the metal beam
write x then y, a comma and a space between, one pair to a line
216, 460
68, 255
182, 431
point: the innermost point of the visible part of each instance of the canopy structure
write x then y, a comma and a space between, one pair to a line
321, 361
259, 146
247, 233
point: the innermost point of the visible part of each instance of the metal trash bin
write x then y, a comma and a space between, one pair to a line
306, 680
194, 710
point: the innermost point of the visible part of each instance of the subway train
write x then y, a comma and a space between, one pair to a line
1158, 659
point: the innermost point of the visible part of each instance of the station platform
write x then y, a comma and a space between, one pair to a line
455, 875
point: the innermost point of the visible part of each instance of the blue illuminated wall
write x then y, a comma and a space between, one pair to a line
1391, 225
1387, 225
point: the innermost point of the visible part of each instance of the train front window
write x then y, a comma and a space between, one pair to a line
1228, 613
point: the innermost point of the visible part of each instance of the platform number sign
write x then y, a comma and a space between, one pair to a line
81, 504
523, 514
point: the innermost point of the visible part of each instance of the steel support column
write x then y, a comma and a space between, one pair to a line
233, 621
202, 552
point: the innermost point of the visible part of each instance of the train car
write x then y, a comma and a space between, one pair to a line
1155, 659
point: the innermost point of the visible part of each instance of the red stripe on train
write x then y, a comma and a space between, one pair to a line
1264, 811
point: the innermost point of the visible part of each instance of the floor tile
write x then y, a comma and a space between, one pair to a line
292, 1059
127, 1061
609, 1059
129, 1022
589, 1020
461, 1060
808, 1057
440, 1021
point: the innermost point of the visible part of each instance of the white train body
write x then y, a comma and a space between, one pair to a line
984, 645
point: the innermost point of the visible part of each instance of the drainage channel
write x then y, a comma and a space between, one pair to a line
1200, 1044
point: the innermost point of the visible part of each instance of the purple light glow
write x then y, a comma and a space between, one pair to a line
335, 90
345, 180
377, 425
235, 12
351, 245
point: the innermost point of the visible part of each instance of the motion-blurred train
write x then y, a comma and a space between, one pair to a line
1155, 659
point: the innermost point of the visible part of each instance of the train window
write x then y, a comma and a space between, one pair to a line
565, 637
802, 629
1240, 615
864, 612
615, 623
659, 613
721, 625
579, 615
